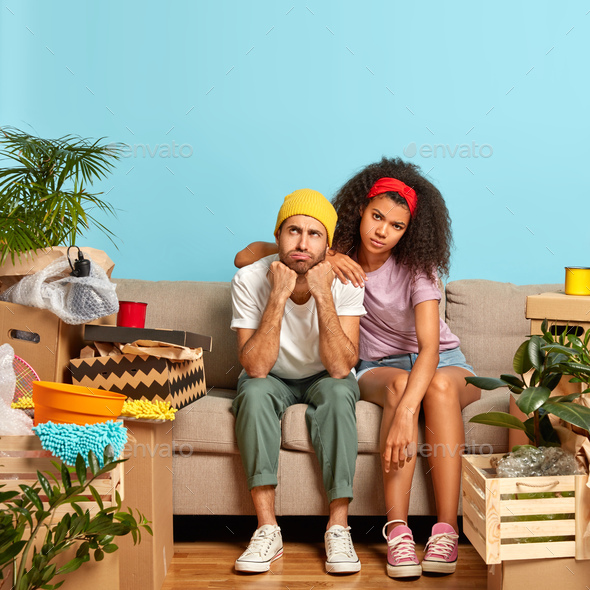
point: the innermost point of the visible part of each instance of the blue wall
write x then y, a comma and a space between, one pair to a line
268, 96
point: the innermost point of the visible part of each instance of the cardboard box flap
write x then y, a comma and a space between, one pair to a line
127, 335
558, 306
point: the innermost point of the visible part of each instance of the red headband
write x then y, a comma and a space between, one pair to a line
384, 185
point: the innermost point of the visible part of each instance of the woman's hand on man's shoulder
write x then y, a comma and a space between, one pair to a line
346, 269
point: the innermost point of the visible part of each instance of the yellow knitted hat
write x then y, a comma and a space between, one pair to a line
306, 201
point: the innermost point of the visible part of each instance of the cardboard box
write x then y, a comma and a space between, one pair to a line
143, 377
560, 310
540, 574
93, 333
148, 488
41, 339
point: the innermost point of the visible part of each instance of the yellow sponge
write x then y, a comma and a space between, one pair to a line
139, 408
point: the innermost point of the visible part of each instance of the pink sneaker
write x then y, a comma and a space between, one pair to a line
402, 561
442, 550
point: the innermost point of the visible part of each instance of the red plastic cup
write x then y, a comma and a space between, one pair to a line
131, 314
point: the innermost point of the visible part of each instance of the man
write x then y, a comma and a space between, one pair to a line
297, 328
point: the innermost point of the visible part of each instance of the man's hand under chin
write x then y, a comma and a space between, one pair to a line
319, 279
282, 279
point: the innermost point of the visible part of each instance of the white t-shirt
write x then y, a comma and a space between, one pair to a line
299, 351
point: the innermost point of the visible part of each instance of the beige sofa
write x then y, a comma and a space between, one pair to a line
487, 316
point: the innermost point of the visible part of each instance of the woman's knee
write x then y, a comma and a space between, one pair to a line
394, 391
442, 389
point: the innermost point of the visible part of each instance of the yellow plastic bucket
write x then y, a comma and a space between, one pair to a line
74, 404
577, 280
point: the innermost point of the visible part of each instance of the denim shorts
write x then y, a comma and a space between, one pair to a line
447, 358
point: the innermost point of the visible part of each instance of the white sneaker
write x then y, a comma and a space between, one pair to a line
265, 546
341, 556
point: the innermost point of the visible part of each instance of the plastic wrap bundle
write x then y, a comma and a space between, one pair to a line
529, 461
76, 300
12, 422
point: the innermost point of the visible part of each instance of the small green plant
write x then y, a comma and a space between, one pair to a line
24, 519
541, 362
44, 200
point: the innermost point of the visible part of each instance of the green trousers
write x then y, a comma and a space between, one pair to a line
330, 418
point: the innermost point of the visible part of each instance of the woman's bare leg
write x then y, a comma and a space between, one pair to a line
445, 397
385, 386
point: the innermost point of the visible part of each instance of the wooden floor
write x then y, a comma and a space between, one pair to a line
206, 563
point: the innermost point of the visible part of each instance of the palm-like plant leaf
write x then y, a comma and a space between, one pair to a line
44, 199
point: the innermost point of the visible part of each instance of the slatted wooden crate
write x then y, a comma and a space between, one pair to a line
22, 456
499, 518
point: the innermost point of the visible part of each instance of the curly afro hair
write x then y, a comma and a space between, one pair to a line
426, 245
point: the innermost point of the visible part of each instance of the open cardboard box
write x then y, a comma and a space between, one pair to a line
144, 377
38, 336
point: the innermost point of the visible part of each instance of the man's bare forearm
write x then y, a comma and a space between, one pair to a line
337, 352
260, 352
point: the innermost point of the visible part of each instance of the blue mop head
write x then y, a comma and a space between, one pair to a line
67, 440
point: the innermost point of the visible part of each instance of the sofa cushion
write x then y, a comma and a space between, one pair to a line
488, 317
207, 425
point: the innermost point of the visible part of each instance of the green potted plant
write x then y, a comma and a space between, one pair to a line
30, 540
44, 195
540, 363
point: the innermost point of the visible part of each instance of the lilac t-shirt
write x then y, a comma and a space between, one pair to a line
390, 326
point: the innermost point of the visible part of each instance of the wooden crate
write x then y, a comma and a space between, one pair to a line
22, 456
490, 504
